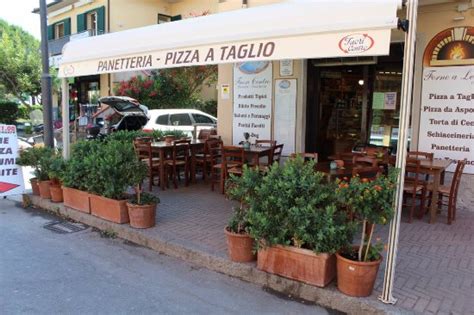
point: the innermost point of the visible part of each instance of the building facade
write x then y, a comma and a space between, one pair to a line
336, 103
322, 105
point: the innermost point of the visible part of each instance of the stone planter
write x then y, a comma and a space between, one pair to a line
44, 190
239, 246
35, 186
141, 216
299, 264
356, 278
76, 199
109, 209
56, 193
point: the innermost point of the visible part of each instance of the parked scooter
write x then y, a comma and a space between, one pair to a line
93, 133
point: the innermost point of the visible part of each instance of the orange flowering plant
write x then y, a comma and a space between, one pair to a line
370, 202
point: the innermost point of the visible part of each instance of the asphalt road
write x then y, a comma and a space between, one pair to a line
83, 272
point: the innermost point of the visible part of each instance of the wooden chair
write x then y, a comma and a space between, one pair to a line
144, 152
214, 149
364, 161
265, 143
276, 153
203, 159
204, 134
413, 187
420, 154
179, 158
233, 159
306, 156
450, 192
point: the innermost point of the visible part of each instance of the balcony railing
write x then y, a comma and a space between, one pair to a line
56, 45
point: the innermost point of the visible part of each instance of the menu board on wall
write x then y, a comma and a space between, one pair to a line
285, 115
252, 101
447, 114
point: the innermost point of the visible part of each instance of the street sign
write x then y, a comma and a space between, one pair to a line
11, 176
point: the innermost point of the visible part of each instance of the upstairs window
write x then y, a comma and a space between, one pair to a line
59, 30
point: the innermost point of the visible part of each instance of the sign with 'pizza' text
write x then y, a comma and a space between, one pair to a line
11, 177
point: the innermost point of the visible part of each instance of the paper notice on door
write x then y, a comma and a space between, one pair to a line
390, 100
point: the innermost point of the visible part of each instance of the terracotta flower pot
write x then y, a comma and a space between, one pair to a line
298, 264
35, 186
356, 278
56, 193
44, 190
141, 216
76, 199
239, 246
169, 138
109, 209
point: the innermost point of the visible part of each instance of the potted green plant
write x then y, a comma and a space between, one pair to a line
29, 157
295, 218
56, 173
77, 175
42, 173
370, 203
240, 244
142, 206
40, 159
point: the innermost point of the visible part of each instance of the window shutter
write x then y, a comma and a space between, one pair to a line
81, 23
50, 32
101, 20
67, 27
176, 18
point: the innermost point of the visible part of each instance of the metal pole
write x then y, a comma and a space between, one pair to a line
65, 110
46, 80
406, 99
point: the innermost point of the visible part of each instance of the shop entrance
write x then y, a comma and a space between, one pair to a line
351, 102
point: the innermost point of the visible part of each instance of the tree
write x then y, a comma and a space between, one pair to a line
170, 88
20, 62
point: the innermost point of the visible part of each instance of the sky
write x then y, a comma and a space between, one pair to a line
18, 12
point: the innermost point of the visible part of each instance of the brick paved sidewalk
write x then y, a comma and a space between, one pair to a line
435, 269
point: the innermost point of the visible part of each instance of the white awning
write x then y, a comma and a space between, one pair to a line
293, 29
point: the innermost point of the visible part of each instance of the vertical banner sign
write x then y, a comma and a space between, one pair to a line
11, 177
284, 129
447, 114
252, 100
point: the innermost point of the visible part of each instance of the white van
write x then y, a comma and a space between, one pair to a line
179, 119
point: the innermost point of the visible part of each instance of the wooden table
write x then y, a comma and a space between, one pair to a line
254, 153
325, 168
435, 168
162, 147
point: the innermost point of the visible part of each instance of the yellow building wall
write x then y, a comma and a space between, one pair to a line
76, 11
126, 14
432, 19
188, 7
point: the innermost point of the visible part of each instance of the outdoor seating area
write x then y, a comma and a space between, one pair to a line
205, 188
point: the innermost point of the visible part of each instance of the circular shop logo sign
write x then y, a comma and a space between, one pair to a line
68, 70
253, 67
356, 43
285, 84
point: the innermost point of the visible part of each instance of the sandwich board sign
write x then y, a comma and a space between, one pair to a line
11, 176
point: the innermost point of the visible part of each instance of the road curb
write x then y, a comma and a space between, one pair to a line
328, 297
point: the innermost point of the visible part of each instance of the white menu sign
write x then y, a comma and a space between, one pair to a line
252, 100
447, 114
11, 177
284, 129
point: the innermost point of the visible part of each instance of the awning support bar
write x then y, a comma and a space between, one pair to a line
406, 100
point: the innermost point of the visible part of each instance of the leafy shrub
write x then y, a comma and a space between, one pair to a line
8, 112
294, 205
371, 203
39, 158
242, 189
144, 199
77, 170
57, 167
